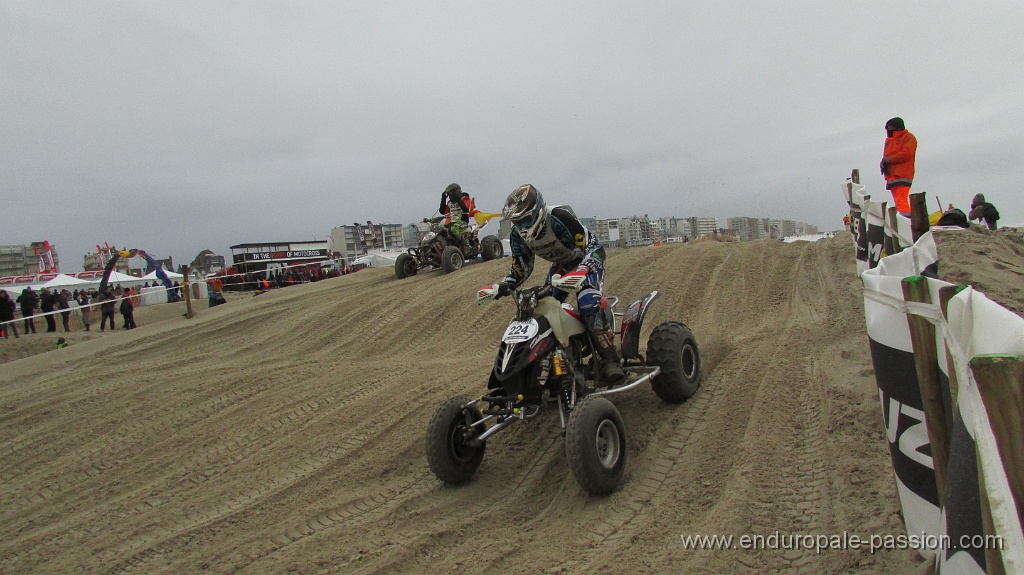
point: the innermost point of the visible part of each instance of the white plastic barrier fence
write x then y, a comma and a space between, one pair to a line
972, 326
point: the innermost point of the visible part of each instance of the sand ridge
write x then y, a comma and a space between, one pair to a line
284, 433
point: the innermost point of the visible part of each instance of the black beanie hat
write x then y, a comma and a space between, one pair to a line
895, 124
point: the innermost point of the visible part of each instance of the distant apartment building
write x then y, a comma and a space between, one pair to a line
701, 226
607, 231
19, 260
348, 242
207, 262
673, 227
787, 227
636, 231
804, 229
747, 229
589, 223
623, 232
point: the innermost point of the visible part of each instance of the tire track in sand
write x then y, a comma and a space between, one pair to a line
182, 531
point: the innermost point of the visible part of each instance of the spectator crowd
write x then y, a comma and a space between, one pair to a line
64, 303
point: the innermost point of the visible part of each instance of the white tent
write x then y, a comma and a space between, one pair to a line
126, 280
172, 275
63, 280
378, 259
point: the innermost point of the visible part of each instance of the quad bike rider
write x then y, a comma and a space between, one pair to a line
457, 207
577, 265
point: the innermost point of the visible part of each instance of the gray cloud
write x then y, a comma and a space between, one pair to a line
180, 126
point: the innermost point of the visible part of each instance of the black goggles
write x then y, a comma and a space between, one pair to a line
526, 221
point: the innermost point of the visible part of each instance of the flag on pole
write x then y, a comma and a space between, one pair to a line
49, 258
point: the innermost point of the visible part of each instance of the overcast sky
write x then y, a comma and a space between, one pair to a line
180, 126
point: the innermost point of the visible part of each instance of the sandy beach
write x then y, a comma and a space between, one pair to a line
284, 433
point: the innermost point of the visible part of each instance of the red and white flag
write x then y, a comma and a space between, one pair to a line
49, 257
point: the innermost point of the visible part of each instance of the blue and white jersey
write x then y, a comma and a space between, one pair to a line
565, 242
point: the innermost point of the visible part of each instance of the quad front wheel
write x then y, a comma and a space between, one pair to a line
595, 445
405, 266
452, 259
672, 348
449, 455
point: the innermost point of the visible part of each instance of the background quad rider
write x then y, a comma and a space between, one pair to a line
556, 235
458, 207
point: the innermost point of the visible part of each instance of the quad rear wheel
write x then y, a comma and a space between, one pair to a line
595, 445
451, 459
673, 348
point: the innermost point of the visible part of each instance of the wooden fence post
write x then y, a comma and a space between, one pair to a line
922, 336
993, 555
890, 241
894, 226
945, 294
919, 225
1000, 381
188, 294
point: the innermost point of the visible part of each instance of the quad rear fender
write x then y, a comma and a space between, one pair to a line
632, 322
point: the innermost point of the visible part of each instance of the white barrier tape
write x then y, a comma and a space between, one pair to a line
929, 311
92, 304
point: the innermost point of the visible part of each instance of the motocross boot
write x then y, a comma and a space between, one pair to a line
604, 345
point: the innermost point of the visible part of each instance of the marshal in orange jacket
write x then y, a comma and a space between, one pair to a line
898, 159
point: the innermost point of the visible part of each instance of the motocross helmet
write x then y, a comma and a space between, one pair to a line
526, 210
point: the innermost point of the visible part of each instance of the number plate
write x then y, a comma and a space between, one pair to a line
519, 331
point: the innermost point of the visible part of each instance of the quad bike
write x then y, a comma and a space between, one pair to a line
439, 248
546, 356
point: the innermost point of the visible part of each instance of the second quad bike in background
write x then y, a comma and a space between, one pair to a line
438, 248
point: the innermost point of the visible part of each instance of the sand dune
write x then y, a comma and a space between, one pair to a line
284, 433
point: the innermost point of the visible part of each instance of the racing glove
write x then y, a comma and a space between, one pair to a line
572, 281
493, 291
